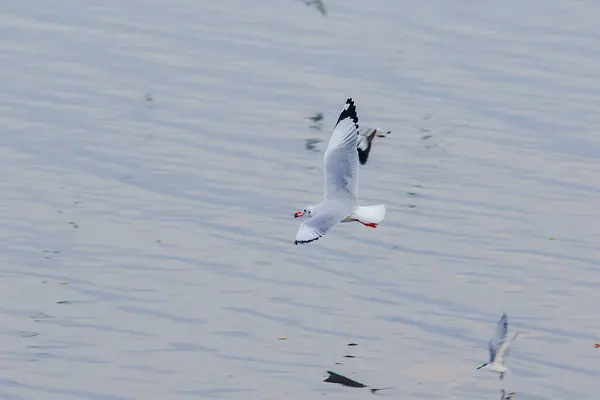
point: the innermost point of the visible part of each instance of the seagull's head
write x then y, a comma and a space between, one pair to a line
482, 365
308, 211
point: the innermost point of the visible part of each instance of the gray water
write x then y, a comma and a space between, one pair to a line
152, 159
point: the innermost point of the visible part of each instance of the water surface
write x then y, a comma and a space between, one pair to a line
152, 156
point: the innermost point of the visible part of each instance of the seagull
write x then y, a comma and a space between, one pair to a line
499, 347
319, 4
341, 184
365, 138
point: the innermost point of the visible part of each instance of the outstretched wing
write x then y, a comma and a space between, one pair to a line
341, 156
499, 336
319, 225
505, 349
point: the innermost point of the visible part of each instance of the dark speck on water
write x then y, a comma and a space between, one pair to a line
317, 117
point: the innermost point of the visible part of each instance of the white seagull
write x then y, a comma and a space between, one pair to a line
341, 184
499, 347
365, 138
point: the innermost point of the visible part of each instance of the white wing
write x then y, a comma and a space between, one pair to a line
499, 336
504, 349
330, 214
341, 157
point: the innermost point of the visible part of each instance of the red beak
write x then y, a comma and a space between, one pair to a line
298, 214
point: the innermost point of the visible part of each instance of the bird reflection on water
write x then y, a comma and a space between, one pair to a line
507, 396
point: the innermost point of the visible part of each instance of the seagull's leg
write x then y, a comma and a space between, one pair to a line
501, 376
369, 224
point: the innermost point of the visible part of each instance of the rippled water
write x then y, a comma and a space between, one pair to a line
147, 244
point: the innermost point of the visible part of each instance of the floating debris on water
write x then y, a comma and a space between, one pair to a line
352, 344
349, 356
426, 133
28, 334
317, 117
317, 120
310, 144
74, 224
41, 315
283, 338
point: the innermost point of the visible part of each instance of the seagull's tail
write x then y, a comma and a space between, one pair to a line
371, 214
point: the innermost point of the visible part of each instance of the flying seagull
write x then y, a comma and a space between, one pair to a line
341, 184
499, 347
317, 3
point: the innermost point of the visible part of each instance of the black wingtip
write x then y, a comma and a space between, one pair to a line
349, 111
363, 155
297, 242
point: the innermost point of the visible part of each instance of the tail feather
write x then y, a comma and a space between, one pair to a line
371, 214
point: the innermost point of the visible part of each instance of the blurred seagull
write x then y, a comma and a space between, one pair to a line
365, 140
317, 3
341, 184
499, 347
